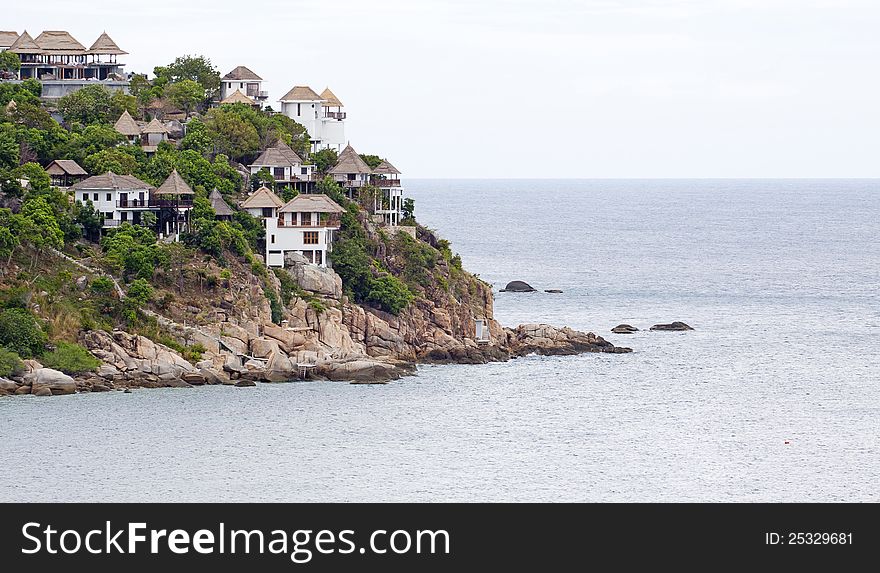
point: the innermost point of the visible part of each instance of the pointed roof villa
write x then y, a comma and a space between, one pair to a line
261, 199
221, 207
278, 155
59, 42
242, 73
111, 180
126, 125
238, 97
311, 203
350, 162
154, 126
385, 168
25, 45
330, 99
105, 45
301, 93
174, 185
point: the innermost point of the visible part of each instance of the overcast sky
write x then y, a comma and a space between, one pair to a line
542, 88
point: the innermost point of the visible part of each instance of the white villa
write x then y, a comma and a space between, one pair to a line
248, 85
305, 225
125, 198
321, 115
389, 203
285, 166
64, 65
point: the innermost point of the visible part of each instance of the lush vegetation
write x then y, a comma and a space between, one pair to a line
70, 359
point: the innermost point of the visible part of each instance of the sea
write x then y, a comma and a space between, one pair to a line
774, 396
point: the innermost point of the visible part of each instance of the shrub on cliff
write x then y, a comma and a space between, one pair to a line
389, 293
70, 359
20, 333
10, 363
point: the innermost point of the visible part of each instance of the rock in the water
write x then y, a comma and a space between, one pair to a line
363, 371
100, 388
245, 383
58, 382
624, 329
43, 391
518, 286
553, 290
672, 326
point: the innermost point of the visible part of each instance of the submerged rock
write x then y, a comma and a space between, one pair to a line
672, 326
551, 341
553, 291
518, 286
624, 329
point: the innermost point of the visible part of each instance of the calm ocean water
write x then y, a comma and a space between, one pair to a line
779, 278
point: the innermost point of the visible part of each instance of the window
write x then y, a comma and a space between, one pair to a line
310, 237
273, 239
304, 171
109, 197
94, 197
319, 258
109, 215
123, 216
298, 110
278, 173
267, 211
305, 219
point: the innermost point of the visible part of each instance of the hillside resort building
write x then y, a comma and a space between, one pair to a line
62, 64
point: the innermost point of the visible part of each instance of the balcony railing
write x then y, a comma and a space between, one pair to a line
152, 203
326, 222
379, 182
334, 114
353, 183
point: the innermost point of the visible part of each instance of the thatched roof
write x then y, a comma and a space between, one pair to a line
242, 73
301, 93
59, 42
308, 203
174, 185
385, 168
280, 155
113, 181
237, 97
221, 207
155, 126
65, 167
350, 162
126, 125
330, 99
261, 199
105, 45
7, 38
25, 45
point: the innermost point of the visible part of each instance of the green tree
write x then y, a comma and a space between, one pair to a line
10, 363
9, 62
197, 137
20, 333
87, 217
324, 159
70, 359
196, 68
112, 159
408, 210
232, 135
44, 229
263, 178
140, 291
185, 94
91, 104
389, 293
9, 149
372, 160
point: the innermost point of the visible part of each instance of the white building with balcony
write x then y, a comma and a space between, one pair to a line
119, 198
388, 203
304, 225
246, 82
321, 115
286, 167
125, 198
